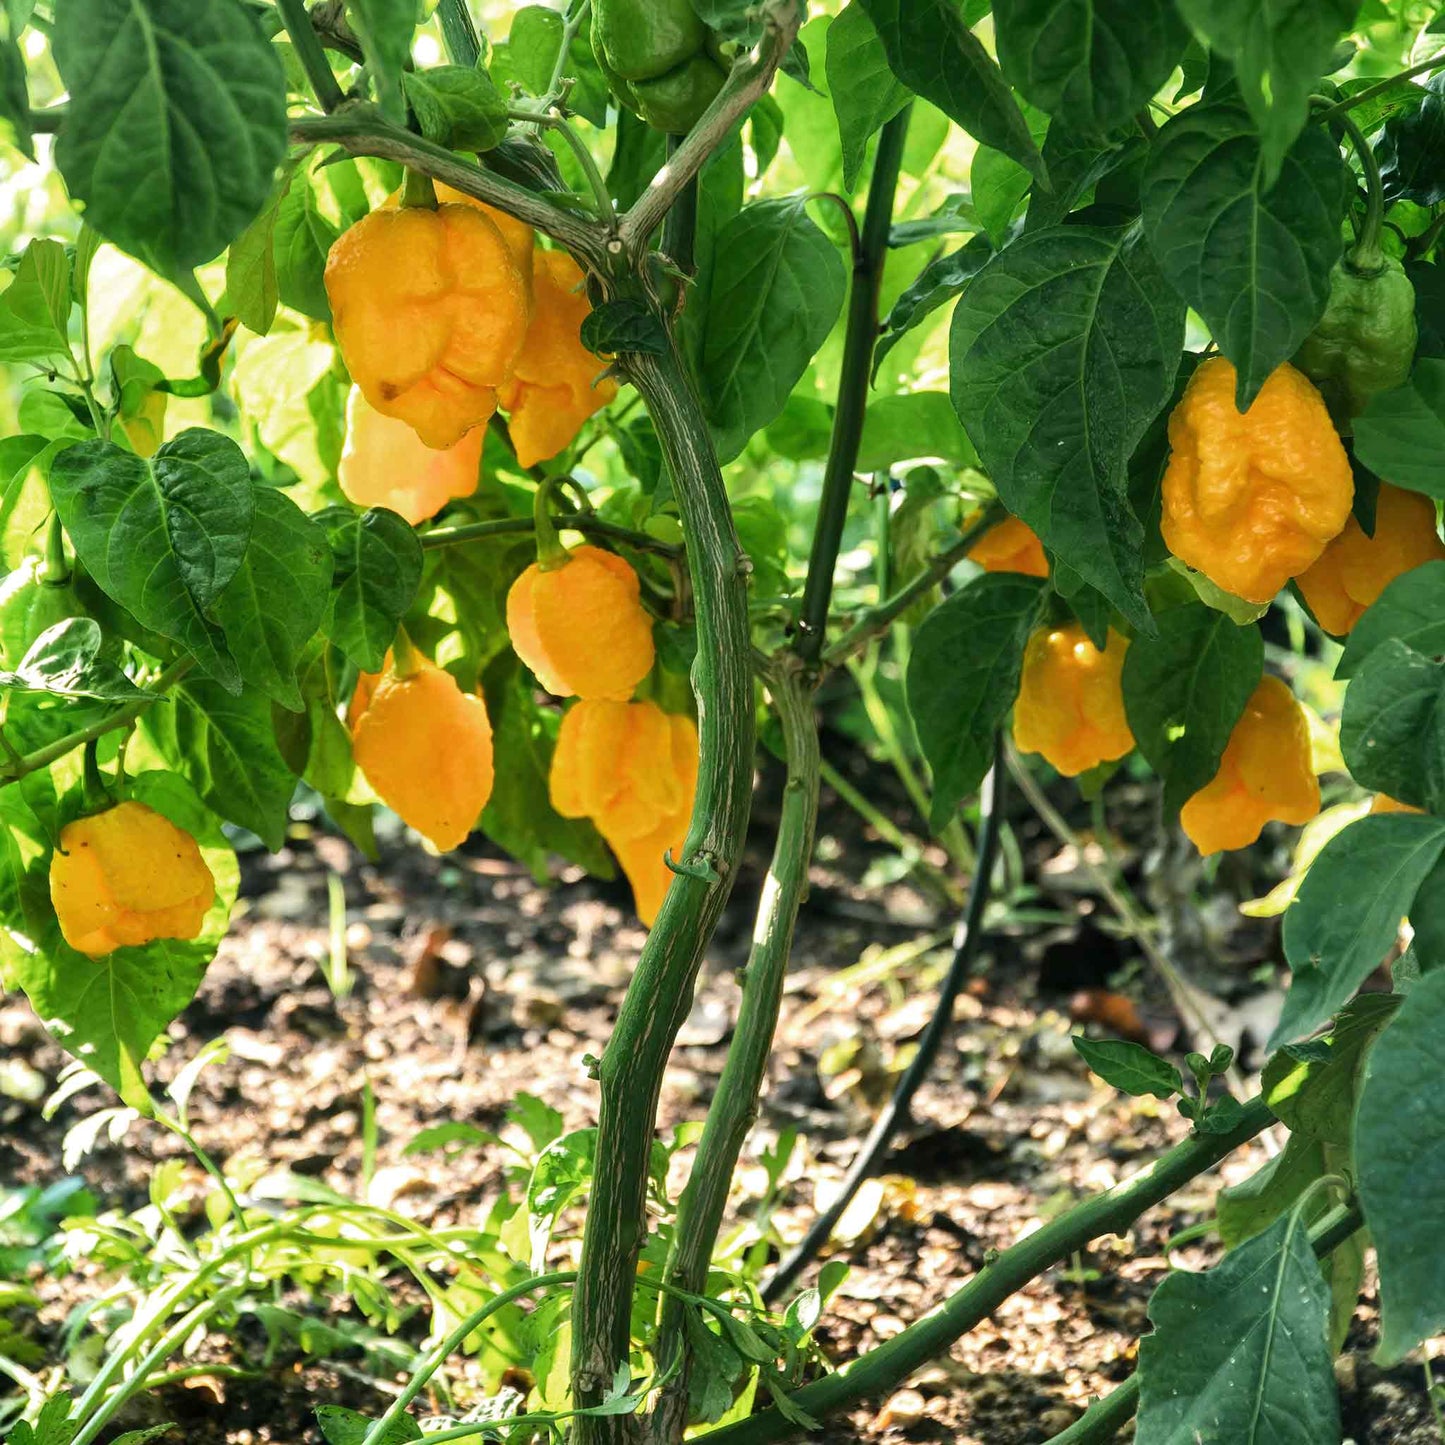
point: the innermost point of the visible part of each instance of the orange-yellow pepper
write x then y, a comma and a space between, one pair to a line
1070, 706
518, 235
126, 876
424, 745
1266, 774
632, 769
430, 309
555, 387
1011, 546
385, 464
1384, 803
581, 626
1354, 569
1252, 498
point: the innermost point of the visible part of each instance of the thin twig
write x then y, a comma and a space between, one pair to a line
589, 526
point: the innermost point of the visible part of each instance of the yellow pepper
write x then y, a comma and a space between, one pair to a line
1070, 706
555, 387
1252, 498
1011, 546
430, 310
1265, 775
1354, 569
125, 877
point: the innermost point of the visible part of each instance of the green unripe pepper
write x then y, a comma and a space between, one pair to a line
30, 604
660, 59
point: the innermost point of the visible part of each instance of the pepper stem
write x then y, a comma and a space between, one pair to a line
55, 571
95, 795
551, 554
418, 190
1365, 258
405, 659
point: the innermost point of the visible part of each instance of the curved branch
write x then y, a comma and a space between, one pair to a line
568, 522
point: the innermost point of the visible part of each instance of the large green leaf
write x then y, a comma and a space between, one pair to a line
1185, 689
377, 561
1410, 610
778, 285
301, 239
1062, 350
385, 28
35, 306
227, 747
109, 1011
963, 676
935, 54
1411, 162
864, 91
1253, 259
176, 122
1240, 1353
1400, 1156
1339, 929
275, 603
1400, 433
1392, 730
1279, 50
1092, 63
162, 537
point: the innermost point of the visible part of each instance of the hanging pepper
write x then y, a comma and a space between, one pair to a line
1251, 498
661, 61
1070, 706
1354, 569
1011, 546
1266, 774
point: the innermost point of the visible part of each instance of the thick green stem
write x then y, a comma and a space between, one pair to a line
310, 53
896, 1115
459, 35
660, 994
1110, 1213
1365, 257
735, 1104
858, 341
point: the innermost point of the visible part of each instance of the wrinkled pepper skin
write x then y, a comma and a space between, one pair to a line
555, 387
581, 627
518, 235
660, 59
1011, 546
385, 464
1365, 342
126, 877
1354, 569
1070, 707
632, 769
1266, 775
430, 310
1251, 499
425, 746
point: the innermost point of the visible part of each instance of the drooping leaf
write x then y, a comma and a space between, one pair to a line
301, 238
864, 91
163, 537
1092, 63
1410, 157
1251, 257
66, 661
963, 676
177, 121
1399, 432
385, 29
1062, 350
1336, 933
1130, 1067
35, 306
1410, 610
1400, 1155
1185, 689
1392, 729
935, 286
376, 569
1241, 1352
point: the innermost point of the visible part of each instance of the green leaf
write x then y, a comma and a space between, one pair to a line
963, 676
276, 601
1062, 351
177, 122
865, 93
625, 325
1240, 1353
913, 426
1279, 50
933, 52
457, 107
935, 286
1400, 1156
301, 240
1399, 433
66, 661
163, 537
341, 1426
1410, 156
1252, 259
15, 97
1092, 63
1185, 689
1411, 610
110, 1011
385, 29
35, 307
377, 568
1392, 729
226, 746
530, 55
1130, 1067
1336, 933
1246, 1209
53, 1427
778, 285
252, 290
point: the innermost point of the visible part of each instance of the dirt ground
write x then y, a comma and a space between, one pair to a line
472, 983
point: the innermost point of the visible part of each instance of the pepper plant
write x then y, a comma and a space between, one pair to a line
504, 350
